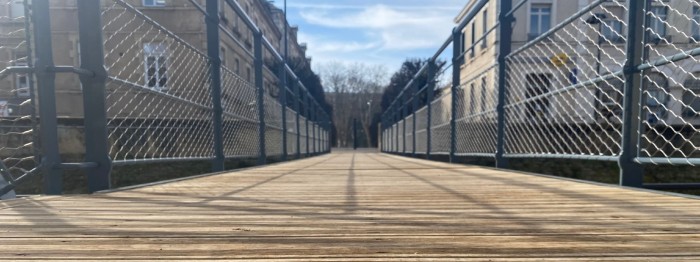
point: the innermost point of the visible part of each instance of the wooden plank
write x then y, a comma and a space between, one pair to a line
356, 207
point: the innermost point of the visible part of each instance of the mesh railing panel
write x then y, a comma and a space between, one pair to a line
409, 134
476, 113
158, 98
240, 126
302, 129
671, 92
18, 152
291, 131
402, 136
421, 130
440, 126
551, 110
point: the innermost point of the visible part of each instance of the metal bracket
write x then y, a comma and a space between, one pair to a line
5, 174
71, 69
15, 70
83, 165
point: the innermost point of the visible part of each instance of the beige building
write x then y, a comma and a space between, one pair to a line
590, 46
155, 60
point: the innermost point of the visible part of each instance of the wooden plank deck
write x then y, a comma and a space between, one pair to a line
356, 207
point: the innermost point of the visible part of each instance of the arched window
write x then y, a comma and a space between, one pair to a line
691, 93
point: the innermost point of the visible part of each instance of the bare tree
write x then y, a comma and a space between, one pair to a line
354, 91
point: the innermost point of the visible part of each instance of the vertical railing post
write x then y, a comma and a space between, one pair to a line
430, 94
94, 94
307, 112
314, 122
46, 87
259, 85
396, 121
354, 133
404, 115
456, 63
414, 91
283, 104
214, 54
297, 108
504, 49
631, 172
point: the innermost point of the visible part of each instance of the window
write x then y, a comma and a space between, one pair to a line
540, 19
483, 94
657, 18
472, 101
463, 44
222, 56
656, 87
484, 26
696, 23
248, 75
537, 85
691, 101
612, 30
472, 49
156, 65
237, 67
17, 9
155, 3
610, 97
22, 82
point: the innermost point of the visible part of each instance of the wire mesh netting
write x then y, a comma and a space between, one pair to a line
408, 146
241, 125
159, 103
440, 123
671, 86
421, 130
18, 152
476, 113
558, 103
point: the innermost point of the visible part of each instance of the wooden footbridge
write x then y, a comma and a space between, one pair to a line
356, 206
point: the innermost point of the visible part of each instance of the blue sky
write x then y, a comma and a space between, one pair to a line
376, 32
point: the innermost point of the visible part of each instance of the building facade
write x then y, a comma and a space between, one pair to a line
590, 46
152, 63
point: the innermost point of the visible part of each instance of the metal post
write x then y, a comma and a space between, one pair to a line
504, 49
258, 52
456, 63
46, 86
94, 95
297, 108
313, 129
306, 122
404, 115
632, 173
430, 94
213, 52
415, 90
283, 88
354, 133
396, 121
283, 104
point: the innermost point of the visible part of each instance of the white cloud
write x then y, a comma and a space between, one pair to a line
394, 28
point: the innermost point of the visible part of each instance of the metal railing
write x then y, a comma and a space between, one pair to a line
613, 81
153, 90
